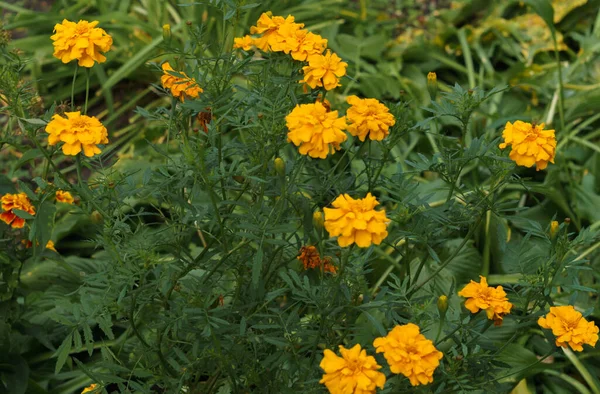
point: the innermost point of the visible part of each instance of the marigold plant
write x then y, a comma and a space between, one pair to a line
10, 202
570, 327
81, 41
64, 196
530, 143
324, 70
482, 297
78, 132
180, 87
353, 372
368, 117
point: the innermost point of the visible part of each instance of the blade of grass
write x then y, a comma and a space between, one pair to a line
585, 374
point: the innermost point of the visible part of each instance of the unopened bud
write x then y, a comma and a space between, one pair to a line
432, 85
279, 166
442, 305
166, 33
553, 229
318, 220
96, 217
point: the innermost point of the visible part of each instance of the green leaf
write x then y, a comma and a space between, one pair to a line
41, 229
257, 267
6, 186
63, 352
544, 9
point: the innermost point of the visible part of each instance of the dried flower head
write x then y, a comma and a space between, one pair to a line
63, 196
570, 327
492, 300
356, 221
368, 117
77, 132
324, 70
531, 144
353, 373
82, 41
409, 353
10, 202
181, 86
316, 131
310, 258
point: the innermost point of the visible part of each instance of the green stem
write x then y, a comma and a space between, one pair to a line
585, 374
73, 88
561, 95
87, 90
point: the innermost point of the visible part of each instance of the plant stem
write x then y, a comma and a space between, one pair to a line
87, 90
73, 88
585, 374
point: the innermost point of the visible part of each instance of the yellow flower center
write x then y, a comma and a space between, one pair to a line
79, 30
80, 123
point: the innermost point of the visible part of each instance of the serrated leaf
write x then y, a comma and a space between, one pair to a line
63, 352
257, 264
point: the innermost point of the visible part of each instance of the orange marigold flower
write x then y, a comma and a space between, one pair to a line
246, 43
356, 221
19, 201
324, 70
63, 196
309, 255
49, 245
353, 373
368, 117
531, 144
408, 352
316, 131
570, 327
492, 300
77, 132
82, 41
181, 87
269, 26
308, 44
90, 389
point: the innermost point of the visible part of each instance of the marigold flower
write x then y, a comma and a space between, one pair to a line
246, 43
353, 373
368, 117
77, 132
63, 196
269, 28
309, 255
316, 131
307, 44
554, 226
49, 245
570, 327
531, 144
409, 353
19, 201
356, 221
91, 388
181, 87
82, 41
324, 70
492, 300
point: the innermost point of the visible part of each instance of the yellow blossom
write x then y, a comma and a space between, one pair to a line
49, 245
356, 221
77, 132
244, 43
353, 373
554, 226
19, 201
181, 87
409, 353
91, 388
316, 131
307, 44
531, 144
368, 117
492, 300
324, 70
570, 327
82, 41
268, 27
63, 196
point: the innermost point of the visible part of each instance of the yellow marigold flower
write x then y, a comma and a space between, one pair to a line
531, 144
82, 41
324, 70
49, 245
77, 132
310, 258
409, 353
308, 44
181, 87
19, 201
246, 43
356, 221
314, 130
63, 196
368, 117
492, 300
91, 388
353, 373
570, 327
554, 226
268, 27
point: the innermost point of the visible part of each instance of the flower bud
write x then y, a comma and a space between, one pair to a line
553, 229
318, 220
166, 32
279, 166
96, 217
432, 85
442, 305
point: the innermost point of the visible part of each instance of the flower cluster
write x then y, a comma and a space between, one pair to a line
492, 300
81, 41
181, 86
531, 144
569, 327
409, 353
10, 202
368, 117
77, 132
354, 372
316, 131
356, 221
310, 258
